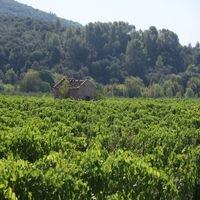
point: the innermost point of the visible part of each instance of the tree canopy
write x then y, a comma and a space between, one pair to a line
106, 52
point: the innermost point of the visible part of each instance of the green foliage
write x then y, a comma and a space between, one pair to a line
105, 149
10, 76
8, 88
189, 93
194, 83
136, 57
34, 81
153, 91
107, 52
172, 87
63, 89
47, 77
134, 86
1, 86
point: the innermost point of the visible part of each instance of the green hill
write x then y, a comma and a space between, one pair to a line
15, 8
130, 62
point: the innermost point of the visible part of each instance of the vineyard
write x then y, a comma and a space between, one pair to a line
105, 149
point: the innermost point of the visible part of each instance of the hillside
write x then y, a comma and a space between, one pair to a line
12, 7
123, 60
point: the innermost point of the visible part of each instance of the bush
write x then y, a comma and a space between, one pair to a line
8, 88
189, 93
134, 86
1, 87
32, 82
154, 91
46, 76
63, 90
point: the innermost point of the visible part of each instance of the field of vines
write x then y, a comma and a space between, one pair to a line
105, 149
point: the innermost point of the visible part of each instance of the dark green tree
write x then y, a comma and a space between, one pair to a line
31, 82
136, 58
10, 77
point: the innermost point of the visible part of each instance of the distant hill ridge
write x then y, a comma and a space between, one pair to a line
12, 7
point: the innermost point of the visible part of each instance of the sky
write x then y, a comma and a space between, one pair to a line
179, 16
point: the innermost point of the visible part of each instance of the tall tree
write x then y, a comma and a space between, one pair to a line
169, 48
136, 58
150, 39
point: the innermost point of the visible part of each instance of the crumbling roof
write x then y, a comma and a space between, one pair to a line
76, 83
59, 83
73, 83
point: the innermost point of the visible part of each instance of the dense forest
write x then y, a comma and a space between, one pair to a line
122, 60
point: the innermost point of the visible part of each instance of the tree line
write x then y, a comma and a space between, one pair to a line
122, 60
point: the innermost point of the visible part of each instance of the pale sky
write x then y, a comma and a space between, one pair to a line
179, 16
